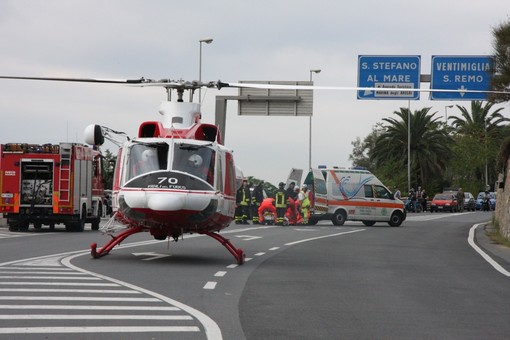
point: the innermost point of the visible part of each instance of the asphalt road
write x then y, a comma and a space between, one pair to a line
422, 280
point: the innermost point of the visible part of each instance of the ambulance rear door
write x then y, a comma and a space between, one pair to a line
294, 176
317, 184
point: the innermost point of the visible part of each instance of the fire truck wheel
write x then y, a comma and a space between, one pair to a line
96, 221
37, 225
18, 225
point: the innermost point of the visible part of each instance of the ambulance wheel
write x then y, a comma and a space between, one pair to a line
313, 220
396, 219
368, 223
339, 218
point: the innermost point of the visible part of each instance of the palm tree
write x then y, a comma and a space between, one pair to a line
479, 121
429, 144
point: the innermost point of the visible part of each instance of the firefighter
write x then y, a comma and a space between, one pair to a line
280, 203
256, 199
243, 200
305, 203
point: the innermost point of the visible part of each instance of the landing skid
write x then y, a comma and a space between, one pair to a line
113, 242
238, 253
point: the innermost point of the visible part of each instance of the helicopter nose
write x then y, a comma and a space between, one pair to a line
166, 203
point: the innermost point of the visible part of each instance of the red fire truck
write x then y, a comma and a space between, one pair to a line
50, 184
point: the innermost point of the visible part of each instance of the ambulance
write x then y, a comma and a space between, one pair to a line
343, 195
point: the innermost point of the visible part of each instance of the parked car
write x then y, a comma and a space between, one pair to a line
444, 202
469, 202
481, 196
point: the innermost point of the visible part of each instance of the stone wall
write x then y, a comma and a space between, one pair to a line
503, 203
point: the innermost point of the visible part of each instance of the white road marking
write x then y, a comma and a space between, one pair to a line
210, 285
18, 276
248, 237
43, 283
134, 329
486, 257
260, 254
89, 307
151, 256
274, 248
76, 298
77, 291
324, 236
92, 317
220, 273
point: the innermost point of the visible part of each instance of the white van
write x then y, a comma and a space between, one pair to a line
347, 194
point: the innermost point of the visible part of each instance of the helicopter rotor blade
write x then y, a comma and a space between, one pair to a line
345, 88
192, 85
81, 80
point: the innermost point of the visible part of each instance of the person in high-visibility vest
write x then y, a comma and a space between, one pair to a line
257, 197
305, 203
243, 202
280, 201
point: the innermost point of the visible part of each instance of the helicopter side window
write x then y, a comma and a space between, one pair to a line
196, 160
146, 158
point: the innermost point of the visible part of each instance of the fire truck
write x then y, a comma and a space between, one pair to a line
50, 184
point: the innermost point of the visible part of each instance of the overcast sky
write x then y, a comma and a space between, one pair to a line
253, 40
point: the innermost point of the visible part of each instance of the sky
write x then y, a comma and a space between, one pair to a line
253, 40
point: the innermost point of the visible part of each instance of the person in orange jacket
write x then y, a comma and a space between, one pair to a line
267, 206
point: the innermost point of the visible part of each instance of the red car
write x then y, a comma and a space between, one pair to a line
444, 202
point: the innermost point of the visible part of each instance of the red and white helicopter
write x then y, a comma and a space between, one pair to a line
175, 178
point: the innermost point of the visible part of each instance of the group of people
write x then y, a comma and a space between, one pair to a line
417, 200
289, 206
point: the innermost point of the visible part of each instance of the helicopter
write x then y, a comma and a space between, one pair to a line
175, 177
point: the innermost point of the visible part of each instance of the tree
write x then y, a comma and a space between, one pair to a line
478, 134
501, 44
108, 167
429, 145
360, 156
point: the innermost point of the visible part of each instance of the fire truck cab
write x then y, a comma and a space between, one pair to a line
50, 184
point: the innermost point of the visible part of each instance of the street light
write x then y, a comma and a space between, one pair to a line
446, 112
310, 132
207, 41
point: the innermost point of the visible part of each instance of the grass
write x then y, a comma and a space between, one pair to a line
495, 234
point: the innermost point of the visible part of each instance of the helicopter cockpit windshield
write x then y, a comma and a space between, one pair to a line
197, 160
144, 158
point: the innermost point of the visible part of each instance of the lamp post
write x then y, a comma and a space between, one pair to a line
207, 41
310, 126
446, 112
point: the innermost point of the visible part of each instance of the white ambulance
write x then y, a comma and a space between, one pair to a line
349, 194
